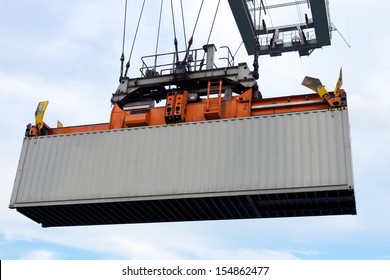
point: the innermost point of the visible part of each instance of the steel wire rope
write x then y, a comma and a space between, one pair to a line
174, 34
193, 32
212, 26
269, 15
300, 18
239, 47
135, 37
184, 26
260, 5
173, 19
122, 59
158, 35
197, 19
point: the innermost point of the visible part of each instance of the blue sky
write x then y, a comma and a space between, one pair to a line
68, 52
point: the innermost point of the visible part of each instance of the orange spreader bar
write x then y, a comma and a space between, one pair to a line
207, 109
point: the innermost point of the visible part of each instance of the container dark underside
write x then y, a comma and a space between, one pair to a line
320, 203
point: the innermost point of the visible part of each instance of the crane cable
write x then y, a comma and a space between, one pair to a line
122, 59
269, 13
239, 47
211, 30
212, 25
136, 33
174, 34
173, 20
197, 19
158, 34
135, 36
184, 26
193, 32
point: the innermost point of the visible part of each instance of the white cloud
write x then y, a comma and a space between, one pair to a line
145, 242
39, 255
69, 100
247, 254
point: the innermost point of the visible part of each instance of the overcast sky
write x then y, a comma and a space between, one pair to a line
68, 52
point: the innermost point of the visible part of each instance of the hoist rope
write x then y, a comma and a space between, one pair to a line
197, 19
173, 20
135, 37
192, 36
212, 25
122, 59
124, 29
242, 42
158, 34
269, 14
174, 34
184, 26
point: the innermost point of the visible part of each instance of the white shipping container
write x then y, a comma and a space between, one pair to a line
296, 164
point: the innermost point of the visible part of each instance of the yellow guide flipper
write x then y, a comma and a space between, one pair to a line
39, 113
339, 83
315, 85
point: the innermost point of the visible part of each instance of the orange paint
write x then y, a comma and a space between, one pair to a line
178, 109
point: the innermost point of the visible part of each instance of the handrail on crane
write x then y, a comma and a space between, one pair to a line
167, 62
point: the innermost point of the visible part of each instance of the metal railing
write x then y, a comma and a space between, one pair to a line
165, 64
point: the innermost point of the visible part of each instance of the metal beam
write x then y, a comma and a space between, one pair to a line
239, 76
244, 22
281, 5
283, 29
320, 22
319, 12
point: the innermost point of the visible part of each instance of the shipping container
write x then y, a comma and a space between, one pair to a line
284, 165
